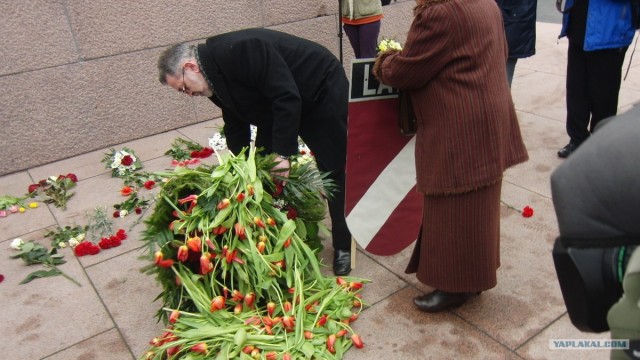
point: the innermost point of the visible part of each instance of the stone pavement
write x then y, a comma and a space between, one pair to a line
111, 316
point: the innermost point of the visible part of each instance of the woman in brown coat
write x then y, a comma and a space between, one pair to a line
453, 68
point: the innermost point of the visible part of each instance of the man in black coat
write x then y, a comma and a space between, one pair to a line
284, 85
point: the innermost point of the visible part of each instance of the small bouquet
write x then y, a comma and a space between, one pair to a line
182, 150
387, 45
11, 205
122, 163
54, 190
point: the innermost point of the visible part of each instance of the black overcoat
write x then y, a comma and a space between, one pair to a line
285, 85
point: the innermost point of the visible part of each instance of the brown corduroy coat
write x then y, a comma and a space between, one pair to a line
454, 69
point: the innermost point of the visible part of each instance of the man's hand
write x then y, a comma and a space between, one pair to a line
281, 168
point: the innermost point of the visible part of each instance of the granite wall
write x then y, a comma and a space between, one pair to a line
80, 75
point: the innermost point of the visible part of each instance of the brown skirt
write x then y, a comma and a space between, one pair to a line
459, 250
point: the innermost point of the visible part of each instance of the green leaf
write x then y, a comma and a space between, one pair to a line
41, 274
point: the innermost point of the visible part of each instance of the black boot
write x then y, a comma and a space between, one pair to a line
439, 300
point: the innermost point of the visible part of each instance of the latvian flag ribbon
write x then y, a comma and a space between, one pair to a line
383, 208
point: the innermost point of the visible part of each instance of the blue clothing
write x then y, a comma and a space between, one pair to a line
609, 24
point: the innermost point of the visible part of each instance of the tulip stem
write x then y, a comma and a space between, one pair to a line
65, 275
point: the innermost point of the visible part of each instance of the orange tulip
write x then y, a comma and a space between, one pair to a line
195, 244
218, 303
223, 203
357, 342
183, 253
200, 348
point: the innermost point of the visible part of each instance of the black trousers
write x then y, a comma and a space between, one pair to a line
593, 85
323, 128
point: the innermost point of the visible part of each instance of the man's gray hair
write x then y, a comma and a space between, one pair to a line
171, 58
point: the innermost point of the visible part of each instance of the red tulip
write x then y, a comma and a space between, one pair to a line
183, 253
287, 243
286, 306
190, 198
322, 320
218, 303
331, 343
175, 314
236, 296
205, 263
271, 355
258, 222
308, 335
223, 203
219, 230
341, 333
166, 263
200, 348
261, 246
195, 244
286, 356
355, 285
240, 197
173, 350
357, 342
288, 321
249, 299
271, 308
250, 190
240, 231
158, 256
271, 222
237, 309
33, 187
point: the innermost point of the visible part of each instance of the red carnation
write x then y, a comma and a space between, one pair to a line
527, 211
121, 234
138, 210
126, 160
206, 152
116, 214
112, 241
86, 248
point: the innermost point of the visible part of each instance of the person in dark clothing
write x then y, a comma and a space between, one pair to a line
599, 33
284, 85
519, 19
